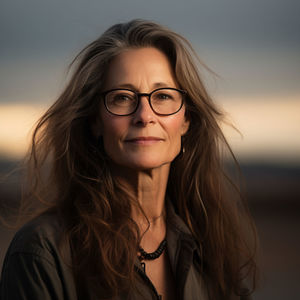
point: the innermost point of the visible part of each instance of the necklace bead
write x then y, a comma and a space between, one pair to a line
153, 255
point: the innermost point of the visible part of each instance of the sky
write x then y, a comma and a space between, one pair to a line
253, 46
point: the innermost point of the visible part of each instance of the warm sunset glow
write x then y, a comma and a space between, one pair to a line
16, 122
270, 128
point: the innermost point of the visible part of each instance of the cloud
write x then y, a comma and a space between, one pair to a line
34, 25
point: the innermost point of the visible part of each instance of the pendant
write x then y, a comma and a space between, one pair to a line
143, 266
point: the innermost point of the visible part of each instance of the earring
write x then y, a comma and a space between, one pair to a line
182, 150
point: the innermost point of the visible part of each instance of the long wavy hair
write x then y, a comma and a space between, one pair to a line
80, 188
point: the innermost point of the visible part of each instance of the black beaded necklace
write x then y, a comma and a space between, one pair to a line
153, 255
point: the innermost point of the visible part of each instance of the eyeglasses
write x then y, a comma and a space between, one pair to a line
163, 101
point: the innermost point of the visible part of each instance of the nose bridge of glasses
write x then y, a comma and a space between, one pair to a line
144, 108
140, 95
147, 96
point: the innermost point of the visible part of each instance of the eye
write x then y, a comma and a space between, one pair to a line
123, 97
120, 98
163, 96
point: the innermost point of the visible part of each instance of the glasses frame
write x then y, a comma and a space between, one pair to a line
148, 95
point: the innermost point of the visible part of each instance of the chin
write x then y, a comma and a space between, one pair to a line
144, 164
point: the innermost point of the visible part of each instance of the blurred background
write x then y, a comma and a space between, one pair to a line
254, 47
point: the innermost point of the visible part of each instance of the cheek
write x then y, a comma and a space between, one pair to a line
109, 125
112, 130
175, 132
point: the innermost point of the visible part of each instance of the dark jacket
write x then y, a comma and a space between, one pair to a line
34, 268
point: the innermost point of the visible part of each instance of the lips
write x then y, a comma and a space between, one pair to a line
144, 140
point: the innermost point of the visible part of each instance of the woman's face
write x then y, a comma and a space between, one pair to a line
143, 140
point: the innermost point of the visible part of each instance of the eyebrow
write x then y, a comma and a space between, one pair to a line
132, 87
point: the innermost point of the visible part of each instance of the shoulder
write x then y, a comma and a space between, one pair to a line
35, 266
41, 237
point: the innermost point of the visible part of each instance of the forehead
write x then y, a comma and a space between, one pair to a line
140, 67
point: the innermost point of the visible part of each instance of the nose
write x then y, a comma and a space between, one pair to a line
144, 113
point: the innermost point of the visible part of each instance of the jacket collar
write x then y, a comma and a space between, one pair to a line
180, 242
175, 222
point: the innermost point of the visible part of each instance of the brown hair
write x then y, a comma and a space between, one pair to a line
97, 208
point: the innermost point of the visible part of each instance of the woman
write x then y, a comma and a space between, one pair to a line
138, 204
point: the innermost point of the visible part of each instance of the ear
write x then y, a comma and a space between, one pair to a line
185, 126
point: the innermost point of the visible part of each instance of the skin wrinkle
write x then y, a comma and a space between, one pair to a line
144, 169
98, 207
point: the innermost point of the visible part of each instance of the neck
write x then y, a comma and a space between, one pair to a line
148, 187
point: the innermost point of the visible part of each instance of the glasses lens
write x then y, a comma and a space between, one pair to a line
166, 101
121, 102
